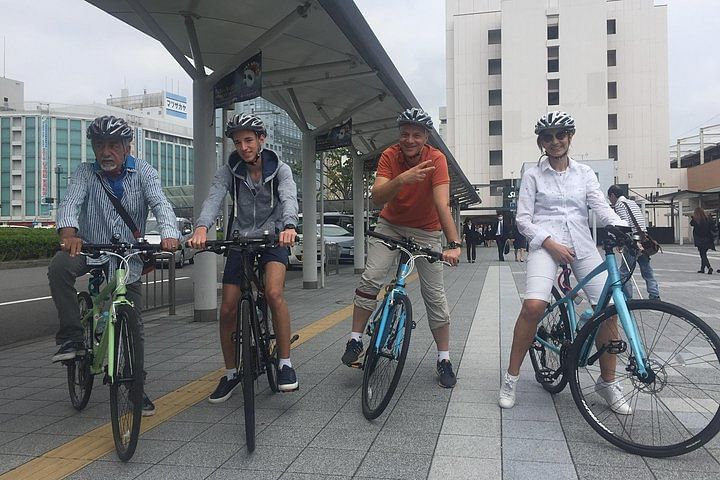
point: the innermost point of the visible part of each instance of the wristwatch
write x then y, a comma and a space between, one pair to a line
289, 226
453, 245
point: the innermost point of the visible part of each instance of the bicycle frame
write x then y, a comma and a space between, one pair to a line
383, 309
611, 289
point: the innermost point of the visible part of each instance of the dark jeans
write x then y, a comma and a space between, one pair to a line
704, 262
471, 251
62, 272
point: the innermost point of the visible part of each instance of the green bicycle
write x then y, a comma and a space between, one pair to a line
113, 347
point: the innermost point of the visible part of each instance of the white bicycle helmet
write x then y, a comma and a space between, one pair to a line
553, 121
245, 121
415, 116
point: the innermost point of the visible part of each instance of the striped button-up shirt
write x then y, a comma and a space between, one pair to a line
87, 208
620, 209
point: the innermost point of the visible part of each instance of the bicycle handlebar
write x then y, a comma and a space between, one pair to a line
119, 247
267, 240
408, 244
622, 236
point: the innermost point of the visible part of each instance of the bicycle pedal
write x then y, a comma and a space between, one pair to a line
616, 347
414, 324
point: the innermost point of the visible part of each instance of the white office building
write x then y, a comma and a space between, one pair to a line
603, 61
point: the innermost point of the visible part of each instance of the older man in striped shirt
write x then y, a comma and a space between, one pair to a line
87, 214
625, 208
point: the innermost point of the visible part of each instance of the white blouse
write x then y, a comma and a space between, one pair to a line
555, 204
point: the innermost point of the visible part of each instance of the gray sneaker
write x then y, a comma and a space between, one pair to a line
69, 350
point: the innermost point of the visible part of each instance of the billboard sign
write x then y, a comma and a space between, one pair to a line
340, 136
176, 105
44, 141
242, 84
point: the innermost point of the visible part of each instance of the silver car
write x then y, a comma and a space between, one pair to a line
333, 234
185, 253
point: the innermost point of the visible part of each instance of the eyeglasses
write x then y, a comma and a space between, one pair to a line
548, 137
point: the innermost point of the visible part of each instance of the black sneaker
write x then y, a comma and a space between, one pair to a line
224, 389
69, 350
148, 407
286, 379
353, 349
446, 376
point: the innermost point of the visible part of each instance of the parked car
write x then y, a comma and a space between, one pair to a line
332, 233
185, 253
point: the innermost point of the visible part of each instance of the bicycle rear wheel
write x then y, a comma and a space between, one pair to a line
676, 409
80, 380
383, 367
248, 373
126, 389
549, 365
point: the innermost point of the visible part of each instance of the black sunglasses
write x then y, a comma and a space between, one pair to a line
548, 137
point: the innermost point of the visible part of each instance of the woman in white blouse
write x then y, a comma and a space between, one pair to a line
552, 213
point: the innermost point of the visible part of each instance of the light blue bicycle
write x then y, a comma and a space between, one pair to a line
390, 327
667, 363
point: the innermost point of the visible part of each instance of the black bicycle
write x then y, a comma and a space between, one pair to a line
255, 347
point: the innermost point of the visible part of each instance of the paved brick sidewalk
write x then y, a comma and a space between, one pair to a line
319, 432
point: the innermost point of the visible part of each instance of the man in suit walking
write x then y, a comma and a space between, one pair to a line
500, 236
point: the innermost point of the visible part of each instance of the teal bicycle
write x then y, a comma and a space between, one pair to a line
113, 347
390, 327
667, 363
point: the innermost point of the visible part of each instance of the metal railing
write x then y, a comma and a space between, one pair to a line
159, 285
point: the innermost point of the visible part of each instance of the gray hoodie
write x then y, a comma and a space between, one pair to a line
269, 207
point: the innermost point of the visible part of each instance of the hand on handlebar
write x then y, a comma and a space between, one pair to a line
169, 244
287, 238
452, 256
199, 238
72, 245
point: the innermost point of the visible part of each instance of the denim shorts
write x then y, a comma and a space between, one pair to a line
234, 268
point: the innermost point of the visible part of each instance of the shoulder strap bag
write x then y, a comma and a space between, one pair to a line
649, 245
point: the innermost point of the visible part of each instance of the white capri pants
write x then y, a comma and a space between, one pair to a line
542, 273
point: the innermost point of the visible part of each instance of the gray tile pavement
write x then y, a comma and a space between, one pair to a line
319, 432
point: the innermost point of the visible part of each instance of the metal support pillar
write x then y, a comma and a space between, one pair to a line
310, 274
205, 271
680, 221
358, 194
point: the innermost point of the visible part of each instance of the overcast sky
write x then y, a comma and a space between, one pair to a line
70, 52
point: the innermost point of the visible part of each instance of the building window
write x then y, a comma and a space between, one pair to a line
553, 59
611, 27
495, 127
494, 37
552, 32
612, 121
496, 157
612, 89
612, 152
494, 66
495, 97
554, 92
611, 58
496, 188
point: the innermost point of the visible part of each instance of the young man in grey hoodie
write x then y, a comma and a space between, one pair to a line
266, 198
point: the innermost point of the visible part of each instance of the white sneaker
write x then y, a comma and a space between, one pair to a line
507, 391
612, 393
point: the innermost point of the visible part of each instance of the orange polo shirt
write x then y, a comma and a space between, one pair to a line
413, 206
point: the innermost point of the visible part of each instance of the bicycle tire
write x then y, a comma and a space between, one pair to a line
376, 386
693, 418
248, 373
80, 379
126, 389
549, 366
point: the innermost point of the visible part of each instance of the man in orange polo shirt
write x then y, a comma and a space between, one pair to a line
413, 183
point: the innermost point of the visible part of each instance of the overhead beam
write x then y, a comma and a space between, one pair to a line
349, 112
278, 99
319, 67
194, 42
256, 45
298, 109
163, 37
319, 81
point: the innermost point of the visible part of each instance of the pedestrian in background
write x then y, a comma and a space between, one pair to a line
471, 240
704, 233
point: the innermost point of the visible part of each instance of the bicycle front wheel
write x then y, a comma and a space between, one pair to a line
548, 348
383, 367
126, 389
248, 373
80, 380
676, 407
